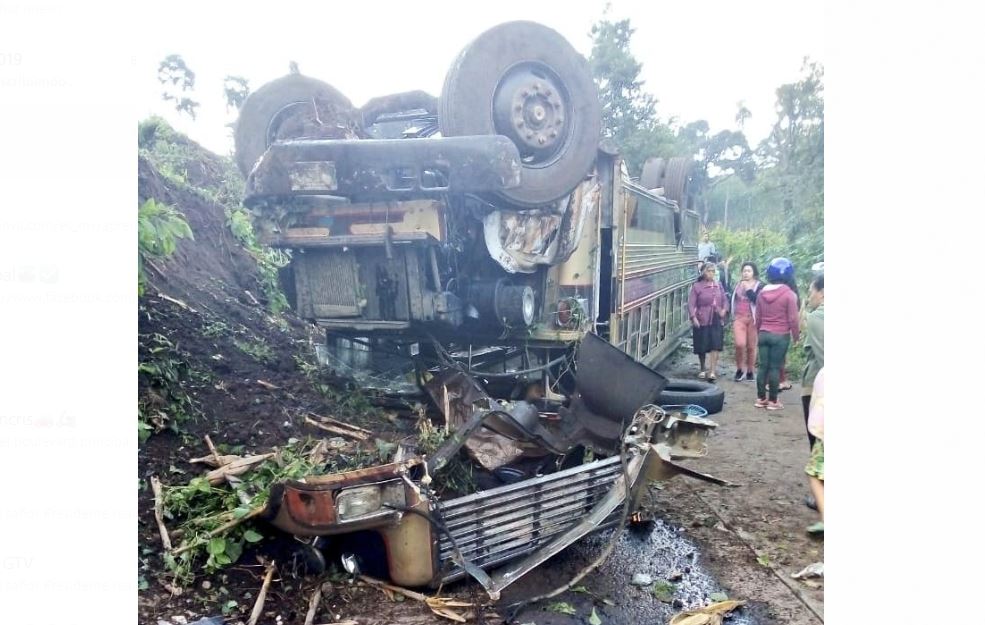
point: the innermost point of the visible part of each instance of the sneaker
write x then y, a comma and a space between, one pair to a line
810, 502
761, 403
738, 375
750, 376
816, 529
774, 405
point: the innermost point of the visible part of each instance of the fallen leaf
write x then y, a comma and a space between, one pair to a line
763, 559
594, 618
562, 607
708, 615
718, 596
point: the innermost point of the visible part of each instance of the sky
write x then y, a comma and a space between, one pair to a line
700, 58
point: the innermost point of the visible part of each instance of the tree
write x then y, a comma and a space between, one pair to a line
629, 114
742, 115
177, 79
235, 88
793, 154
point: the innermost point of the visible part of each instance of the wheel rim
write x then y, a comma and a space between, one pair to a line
532, 108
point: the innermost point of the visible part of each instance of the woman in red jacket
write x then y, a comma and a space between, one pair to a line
777, 320
707, 305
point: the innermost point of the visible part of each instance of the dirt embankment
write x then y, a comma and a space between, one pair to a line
217, 361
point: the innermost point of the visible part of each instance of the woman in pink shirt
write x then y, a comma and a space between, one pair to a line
707, 305
744, 321
778, 322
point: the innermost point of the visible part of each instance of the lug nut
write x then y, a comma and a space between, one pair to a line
541, 140
553, 134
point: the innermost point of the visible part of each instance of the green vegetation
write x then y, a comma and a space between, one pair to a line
165, 372
159, 227
191, 168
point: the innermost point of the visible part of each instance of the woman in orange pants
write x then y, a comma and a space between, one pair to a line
744, 322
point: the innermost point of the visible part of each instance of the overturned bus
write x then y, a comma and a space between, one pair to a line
491, 216
493, 236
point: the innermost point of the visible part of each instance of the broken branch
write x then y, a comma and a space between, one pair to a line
177, 302
155, 484
221, 529
236, 467
359, 436
215, 452
262, 596
313, 606
438, 605
268, 385
341, 424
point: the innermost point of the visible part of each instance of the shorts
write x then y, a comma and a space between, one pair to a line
708, 338
815, 466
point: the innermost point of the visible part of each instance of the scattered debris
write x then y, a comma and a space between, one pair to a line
211, 620
675, 575
811, 570
641, 579
439, 605
712, 614
268, 385
262, 595
594, 618
159, 512
718, 597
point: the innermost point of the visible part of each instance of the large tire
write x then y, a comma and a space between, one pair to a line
676, 181
708, 396
253, 128
525, 81
652, 176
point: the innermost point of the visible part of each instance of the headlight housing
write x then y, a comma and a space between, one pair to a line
357, 502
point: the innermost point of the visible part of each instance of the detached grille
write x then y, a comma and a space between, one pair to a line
497, 525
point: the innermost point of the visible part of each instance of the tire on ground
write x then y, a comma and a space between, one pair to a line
708, 396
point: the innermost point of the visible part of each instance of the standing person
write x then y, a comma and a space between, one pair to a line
791, 282
777, 321
813, 346
743, 307
706, 249
707, 307
815, 466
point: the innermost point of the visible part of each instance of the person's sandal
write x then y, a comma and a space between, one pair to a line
712, 377
761, 403
817, 529
702, 375
774, 405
